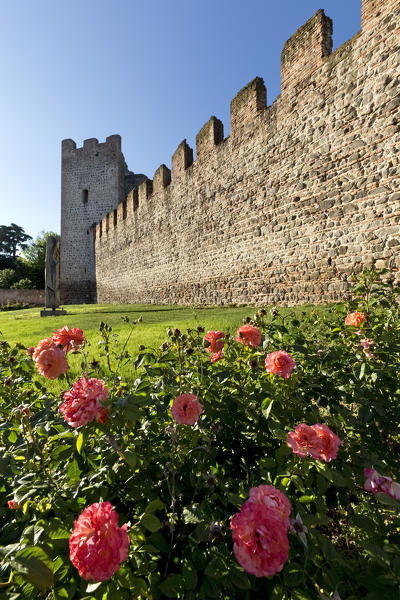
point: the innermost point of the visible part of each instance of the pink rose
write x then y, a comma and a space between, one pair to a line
249, 336
260, 539
51, 362
70, 339
273, 499
216, 341
367, 343
355, 319
280, 363
377, 483
186, 409
42, 345
13, 504
317, 441
216, 356
330, 442
97, 545
304, 441
84, 402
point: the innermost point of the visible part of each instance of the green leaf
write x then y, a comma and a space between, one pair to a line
189, 575
151, 522
267, 406
4, 466
362, 371
293, 575
302, 595
216, 568
239, 579
364, 523
139, 360
131, 458
132, 412
387, 500
377, 553
34, 565
327, 547
192, 514
173, 586
155, 505
333, 476
61, 593
159, 541
79, 443
306, 499
73, 472
235, 499
59, 533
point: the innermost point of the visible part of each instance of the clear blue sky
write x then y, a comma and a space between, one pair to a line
153, 71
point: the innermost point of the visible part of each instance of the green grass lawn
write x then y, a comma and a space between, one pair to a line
27, 327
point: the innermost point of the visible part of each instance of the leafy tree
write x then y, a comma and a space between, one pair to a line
7, 278
34, 259
23, 284
12, 238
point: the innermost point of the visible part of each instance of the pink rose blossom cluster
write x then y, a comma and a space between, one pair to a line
377, 483
355, 319
70, 339
317, 441
84, 402
97, 545
216, 340
50, 359
280, 363
259, 531
248, 335
186, 409
366, 344
49, 354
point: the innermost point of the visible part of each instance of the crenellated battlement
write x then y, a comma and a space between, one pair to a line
209, 136
112, 143
304, 52
298, 194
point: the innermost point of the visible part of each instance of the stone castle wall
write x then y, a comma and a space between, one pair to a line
297, 196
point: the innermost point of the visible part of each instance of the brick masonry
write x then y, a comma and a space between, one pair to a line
299, 194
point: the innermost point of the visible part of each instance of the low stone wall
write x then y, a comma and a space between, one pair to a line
14, 296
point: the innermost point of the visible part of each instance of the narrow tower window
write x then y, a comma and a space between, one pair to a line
85, 196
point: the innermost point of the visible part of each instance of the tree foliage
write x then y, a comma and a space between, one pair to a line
25, 270
34, 258
12, 238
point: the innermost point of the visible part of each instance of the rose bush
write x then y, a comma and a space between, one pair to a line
264, 487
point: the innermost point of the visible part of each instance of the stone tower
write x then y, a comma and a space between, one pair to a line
94, 180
